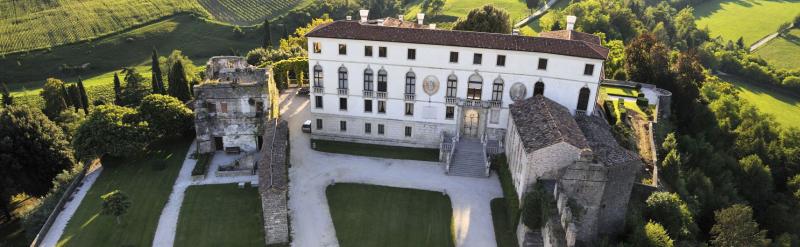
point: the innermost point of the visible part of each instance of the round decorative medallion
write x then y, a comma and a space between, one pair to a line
518, 91
430, 85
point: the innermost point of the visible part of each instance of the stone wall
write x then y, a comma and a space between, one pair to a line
423, 135
231, 111
274, 182
616, 197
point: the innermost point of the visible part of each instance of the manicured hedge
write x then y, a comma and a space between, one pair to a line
203, 161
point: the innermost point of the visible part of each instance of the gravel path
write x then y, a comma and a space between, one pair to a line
313, 171
54, 234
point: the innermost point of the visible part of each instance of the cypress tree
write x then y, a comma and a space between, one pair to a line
67, 98
267, 35
158, 80
84, 97
7, 99
178, 84
75, 97
285, 33
117, 90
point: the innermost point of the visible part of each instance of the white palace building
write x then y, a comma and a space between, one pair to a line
469, 94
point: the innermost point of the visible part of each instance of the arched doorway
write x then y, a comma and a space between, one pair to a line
583, 99
538, 88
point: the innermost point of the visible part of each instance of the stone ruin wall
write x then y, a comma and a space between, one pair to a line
239, 127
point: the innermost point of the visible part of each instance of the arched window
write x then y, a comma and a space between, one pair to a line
342, 77
583, 99
382, 80
452, 85
538, 88
475, 86
317, 75
497, 89
368, 79
411, 82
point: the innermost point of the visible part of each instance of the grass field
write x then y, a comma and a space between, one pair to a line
619, 91
147, 181
220, 215
783, 51
197, 38
391, 152
785, 107
454, 9
504, 234
750, 19
370, 215
35, 24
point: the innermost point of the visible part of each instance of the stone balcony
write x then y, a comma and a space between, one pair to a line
319, 90
380, 95
495, 103
342, 91
369, 94
410, 97
450, 100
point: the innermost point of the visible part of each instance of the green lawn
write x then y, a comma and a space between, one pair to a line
784, 51
784, 106
147, 181
391, 152
370, 215
619, 91
533, 27
750, 19
505, 235
197, 38
220, 215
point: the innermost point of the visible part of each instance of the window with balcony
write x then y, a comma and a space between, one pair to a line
412, 54
317, 47
342, 49
318, 101
343, 104
475, 87
381, 106
411, 81
477, 59
450, 112
454, 57
368, 51
381, 51
501, 60
342, 77
452, 86
368, 79
588, 69
542, 64
367, 105
382, 80
409, 109
317, 75
497, 89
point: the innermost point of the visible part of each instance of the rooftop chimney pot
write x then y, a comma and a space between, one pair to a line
515, 31
364, 13
571, 22
432, 26
400, 17
420, 18
348, 18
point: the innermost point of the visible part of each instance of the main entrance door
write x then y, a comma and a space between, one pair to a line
471, 123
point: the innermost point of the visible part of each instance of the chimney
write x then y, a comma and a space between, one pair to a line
420, 18
364, 14
571, 22
400, 17
349, 18
515, 31
432, 26
586, 155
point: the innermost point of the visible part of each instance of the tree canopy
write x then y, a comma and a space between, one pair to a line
112, 130
54, 98
735, 227
166, 115
487, 19
115, 203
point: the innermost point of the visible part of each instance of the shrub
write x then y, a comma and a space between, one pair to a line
203, 161
537, 207
657, 236
792, 81
608, 106
670, 211
500, 164
642, 102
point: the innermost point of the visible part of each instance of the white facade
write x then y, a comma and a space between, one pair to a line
563, 80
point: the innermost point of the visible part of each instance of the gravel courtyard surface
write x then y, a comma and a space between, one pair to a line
313, 171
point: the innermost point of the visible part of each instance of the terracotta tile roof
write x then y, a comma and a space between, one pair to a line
605, 148
571, 35
357, 31
542, 122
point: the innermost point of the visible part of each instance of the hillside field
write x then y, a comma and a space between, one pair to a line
750, 19
454, 9
785, 107
37, 24
783, 51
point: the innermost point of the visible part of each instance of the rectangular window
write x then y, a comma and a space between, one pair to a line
380, 129
477, 58
381, 51
589, 69
367, 105
212, 107
501, 60
543, 63
412, 54
342, 49
368, 51
454, 57
408, 131
317, 47
381, 106
450, 112
319, 124
343, 104
409, 109
223, 106
342, 125
452, 85
318, 101
367, 128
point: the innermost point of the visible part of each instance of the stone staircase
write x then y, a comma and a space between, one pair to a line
469, 159
533, 239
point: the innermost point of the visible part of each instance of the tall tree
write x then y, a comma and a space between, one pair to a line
117, 90
532, 4
65, 94
75, 97
84, 96
267, 35
134, 90
7, 99
166, 115
53, 94
735, 227
647, 60
672, 213
115, 203
485, 19
157, 78
33, 150
111, 130
178, 84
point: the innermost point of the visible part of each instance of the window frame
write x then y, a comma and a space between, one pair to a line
382, 51
411, 83
452, 86
408, 131
477, 59
368, 51
343, 103
342, 77
318, 102
412, 54
319, 123
318, 76
368, 128
449, 112
501, 60
382, 106
588, 68
382, 80
497, 89
453, 57
409, 109
542, 64
342, 49
317, 47
368, 105
343, 126
381, 129
369, 78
